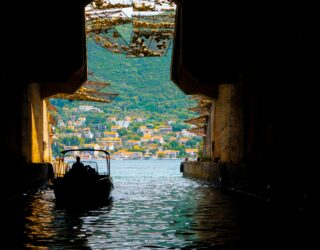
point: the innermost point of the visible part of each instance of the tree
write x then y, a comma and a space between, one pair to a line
68, 130
134, 126
182, 153
56, 148
160, 155
133, 137
137, 148
72, 141
193, 142
177, 127
89, 140
95, 118
122, 132
174, 145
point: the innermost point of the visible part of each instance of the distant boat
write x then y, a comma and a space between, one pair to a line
147, 156
87, 185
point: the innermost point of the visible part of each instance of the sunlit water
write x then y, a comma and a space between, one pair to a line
153, 206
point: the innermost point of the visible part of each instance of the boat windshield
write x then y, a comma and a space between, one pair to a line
87, 164
96, 161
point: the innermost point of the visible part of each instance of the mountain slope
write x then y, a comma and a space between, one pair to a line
143, 84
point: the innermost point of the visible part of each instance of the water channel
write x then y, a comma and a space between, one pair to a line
153, 207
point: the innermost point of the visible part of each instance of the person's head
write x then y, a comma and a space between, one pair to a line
78, 158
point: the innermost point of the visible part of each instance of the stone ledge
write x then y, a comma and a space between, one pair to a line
206, 171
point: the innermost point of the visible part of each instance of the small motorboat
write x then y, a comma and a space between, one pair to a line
84, 183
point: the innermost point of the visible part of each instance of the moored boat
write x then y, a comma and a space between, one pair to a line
86, 184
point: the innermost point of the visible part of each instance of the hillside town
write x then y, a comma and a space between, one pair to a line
126, 137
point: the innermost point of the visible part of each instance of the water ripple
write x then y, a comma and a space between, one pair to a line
153, 207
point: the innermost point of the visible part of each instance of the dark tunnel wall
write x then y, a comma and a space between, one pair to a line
42, 43
269, 51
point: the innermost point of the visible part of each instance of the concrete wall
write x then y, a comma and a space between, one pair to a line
229, 176
224, 138
236, 120
266, 123
29, 168
205, 171
36, 175
36, 109
47, 151
35, 145
209, 138
255, 140
59, 66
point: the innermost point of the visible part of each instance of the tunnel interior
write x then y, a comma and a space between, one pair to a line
266, 52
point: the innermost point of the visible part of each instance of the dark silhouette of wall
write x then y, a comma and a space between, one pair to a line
43, 44
269, 53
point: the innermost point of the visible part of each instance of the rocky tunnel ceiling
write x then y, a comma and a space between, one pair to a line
215, 42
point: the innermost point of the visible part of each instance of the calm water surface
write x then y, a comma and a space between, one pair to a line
152, 206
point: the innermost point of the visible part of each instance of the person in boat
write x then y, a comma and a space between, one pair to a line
78, 166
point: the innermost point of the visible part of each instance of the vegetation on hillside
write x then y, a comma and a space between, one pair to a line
143, 84
145, 93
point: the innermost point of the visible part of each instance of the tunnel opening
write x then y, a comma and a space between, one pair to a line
260, 80
141, 114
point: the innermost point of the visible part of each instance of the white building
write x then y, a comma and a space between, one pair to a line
86, 108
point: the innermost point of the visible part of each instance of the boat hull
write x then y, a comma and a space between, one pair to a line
83, 191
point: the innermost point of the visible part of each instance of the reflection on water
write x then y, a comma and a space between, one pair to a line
153, 206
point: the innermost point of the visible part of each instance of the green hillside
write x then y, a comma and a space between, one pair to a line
143, 84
